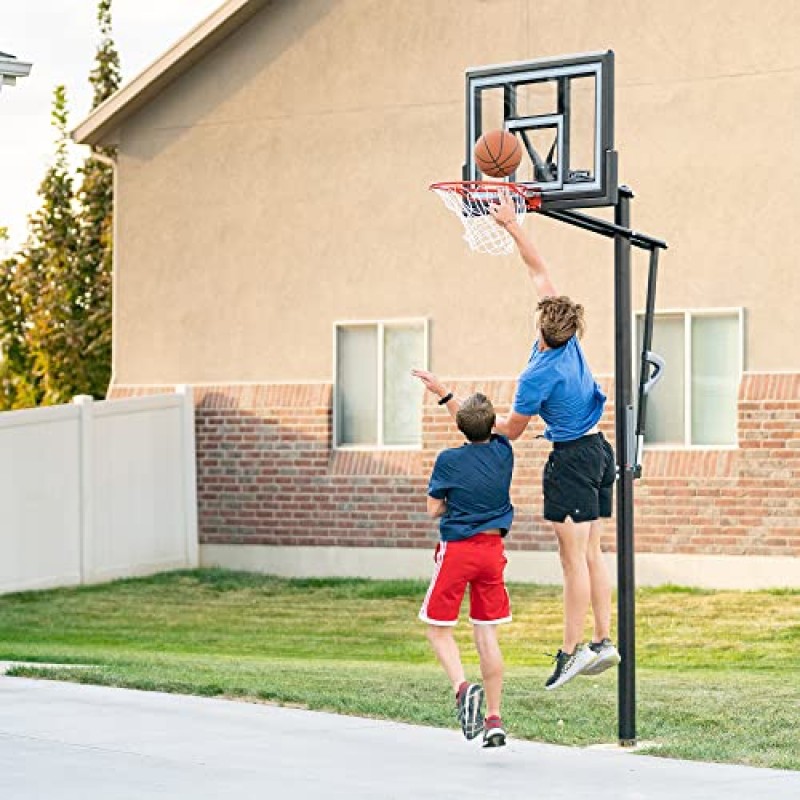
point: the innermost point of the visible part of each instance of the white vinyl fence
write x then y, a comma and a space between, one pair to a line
95, 491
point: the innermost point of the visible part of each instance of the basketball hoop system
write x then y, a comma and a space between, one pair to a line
470, 202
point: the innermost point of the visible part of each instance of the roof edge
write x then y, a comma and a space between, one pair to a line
187, 51
13, 67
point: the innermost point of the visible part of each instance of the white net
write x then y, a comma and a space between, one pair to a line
470, 202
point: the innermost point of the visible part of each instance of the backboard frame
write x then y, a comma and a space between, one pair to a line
566, 189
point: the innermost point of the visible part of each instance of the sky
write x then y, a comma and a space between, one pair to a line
60, 38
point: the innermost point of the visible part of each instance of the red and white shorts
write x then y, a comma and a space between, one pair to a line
477, 562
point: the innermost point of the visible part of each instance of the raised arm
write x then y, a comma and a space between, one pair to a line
435, 386
504, 215
512, 425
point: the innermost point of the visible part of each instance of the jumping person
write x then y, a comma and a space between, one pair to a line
557, 385
469, 493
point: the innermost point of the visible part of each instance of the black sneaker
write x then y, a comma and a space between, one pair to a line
607, 657
570, 665
494, 735
468, 707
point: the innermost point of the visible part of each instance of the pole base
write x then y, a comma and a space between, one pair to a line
624, 746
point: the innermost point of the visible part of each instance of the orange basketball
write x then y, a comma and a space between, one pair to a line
498, 153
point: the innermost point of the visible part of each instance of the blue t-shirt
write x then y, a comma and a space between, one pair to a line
475, 480
558, 386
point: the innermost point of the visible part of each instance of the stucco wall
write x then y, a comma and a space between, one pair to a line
280, 185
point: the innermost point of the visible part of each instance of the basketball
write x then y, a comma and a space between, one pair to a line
497, 153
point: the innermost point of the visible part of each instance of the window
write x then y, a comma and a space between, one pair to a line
695, 403
378, 403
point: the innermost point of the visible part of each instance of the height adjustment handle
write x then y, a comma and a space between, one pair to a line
658, 364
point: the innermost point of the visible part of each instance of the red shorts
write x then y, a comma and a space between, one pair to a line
478, 562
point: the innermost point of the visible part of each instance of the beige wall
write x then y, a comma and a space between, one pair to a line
281, 184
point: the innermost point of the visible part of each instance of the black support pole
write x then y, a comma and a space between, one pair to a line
623, 387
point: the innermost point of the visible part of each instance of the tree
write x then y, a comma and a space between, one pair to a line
95, 223
37, 331
17, 389
55, 295
106, 75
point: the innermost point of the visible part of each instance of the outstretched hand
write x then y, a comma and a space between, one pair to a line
503, 211
430, 381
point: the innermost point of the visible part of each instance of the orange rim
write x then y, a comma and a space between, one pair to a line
475, 189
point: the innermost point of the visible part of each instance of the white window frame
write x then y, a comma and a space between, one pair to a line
381, 325
688, 314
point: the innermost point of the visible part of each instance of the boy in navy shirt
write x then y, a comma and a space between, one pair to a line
469, 493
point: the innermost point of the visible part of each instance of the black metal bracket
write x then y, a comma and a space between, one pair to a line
605, 228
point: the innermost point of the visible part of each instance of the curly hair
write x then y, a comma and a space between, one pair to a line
559, 319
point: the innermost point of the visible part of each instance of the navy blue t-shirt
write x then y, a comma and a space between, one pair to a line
558, 386
475, 480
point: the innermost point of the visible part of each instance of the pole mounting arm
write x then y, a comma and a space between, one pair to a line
651, 368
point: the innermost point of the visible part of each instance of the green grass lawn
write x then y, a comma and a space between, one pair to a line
718, 673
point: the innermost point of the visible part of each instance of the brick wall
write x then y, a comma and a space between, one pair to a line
267, 475
744, 501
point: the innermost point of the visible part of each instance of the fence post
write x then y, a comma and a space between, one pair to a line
189, 475
86, 434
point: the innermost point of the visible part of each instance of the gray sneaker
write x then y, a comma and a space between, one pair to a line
570, 665
468, 708
607, 657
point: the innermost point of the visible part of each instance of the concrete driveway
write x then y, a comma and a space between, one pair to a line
62, 741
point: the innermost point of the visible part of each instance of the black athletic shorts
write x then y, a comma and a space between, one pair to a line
578, 479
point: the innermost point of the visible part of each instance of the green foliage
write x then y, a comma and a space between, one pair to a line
95, 224
32, 285
14, 357
106, 75
55, 295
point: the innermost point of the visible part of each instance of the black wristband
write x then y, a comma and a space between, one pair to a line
446, 399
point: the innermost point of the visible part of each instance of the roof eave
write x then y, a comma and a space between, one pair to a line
13, 67
104, 120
